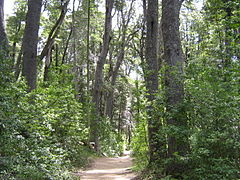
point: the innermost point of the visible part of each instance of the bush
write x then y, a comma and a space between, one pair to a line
40, 132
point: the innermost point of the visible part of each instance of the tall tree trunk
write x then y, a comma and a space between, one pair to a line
3, 35
156, 146
88, 44
95, 122
173, 56
54, 31
109, 100
120, 57
142, 40
65, 48
228, 33
18, 28
17, 67
30, 41
47, 64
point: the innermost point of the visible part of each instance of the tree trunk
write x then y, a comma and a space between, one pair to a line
57, 56
3, 35
124, 40
95, 122
66, 47
47, 64
17, 67
120, 58
88, 45
228, 34
54, 31
143, 38
18, 28
30, 41
173, 56
156, 146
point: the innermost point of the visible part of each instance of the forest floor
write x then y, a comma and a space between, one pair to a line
104, 168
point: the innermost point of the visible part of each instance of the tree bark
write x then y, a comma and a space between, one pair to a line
66, 47
142, 40
95, 122
54, 31
124, 40
30, 41
18, 28
3, 35
173, 56
88, 44
156, 145
228, 34
17, 68
47, 64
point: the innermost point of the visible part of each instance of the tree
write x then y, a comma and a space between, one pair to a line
15, 28
30, 41
3, 35
55, 30
123, 40
173, 56
156, 145
225, 26
46, 52
97, 89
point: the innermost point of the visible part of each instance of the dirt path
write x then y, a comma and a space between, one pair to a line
109, 169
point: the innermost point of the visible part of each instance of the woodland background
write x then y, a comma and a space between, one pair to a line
161, 79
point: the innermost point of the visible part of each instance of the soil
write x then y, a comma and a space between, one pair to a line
105, 168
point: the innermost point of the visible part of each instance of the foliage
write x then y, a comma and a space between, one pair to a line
213, 110
111, 141
140, 140
41, 132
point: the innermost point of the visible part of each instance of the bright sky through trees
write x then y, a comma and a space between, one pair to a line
8, 7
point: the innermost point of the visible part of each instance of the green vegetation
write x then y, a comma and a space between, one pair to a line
186, 127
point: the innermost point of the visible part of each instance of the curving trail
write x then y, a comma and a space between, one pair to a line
109, 169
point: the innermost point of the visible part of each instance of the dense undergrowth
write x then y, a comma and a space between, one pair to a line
212, 109
44, 134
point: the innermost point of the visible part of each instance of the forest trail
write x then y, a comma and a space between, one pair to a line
118, 168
